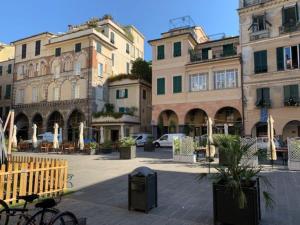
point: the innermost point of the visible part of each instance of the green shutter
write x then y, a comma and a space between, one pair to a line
228, 50
161, 86
294, 91
286, 93
121, 109
266, 96
126, 93
160, 52
259, 96
280, 59
260, 62
177, 49
177, 84
117, 94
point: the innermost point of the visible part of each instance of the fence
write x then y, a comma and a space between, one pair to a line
31, 175
294, 153
183, 149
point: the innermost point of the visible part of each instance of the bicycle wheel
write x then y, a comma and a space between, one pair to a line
4, 213
42, 217
64, 218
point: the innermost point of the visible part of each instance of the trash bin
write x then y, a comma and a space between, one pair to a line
142, 189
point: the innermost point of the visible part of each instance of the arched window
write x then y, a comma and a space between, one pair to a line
31, 70
55, 69
43, 68
67, 64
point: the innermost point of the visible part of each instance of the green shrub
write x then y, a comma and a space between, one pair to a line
127, 142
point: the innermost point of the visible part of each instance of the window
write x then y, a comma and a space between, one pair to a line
228, 50
258, 23
57, 52
77, 68
56, 94
160, 52
205, 53
144, 94
7, 91
34, 94
177, 84
291, 95
177, 49
38, 47
128, 68
9, 68
198, 82
124, 109
98, 48
280, 59
112, 37
113, 59
1, 70
263, 97
100, 70
0, 92
290, 15
56, 71
78, 47
24, 47
75, 91
260, 62
122, 93
127, 48
225, 79
20, 96
160, 86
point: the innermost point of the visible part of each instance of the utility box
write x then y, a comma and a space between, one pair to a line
142, 189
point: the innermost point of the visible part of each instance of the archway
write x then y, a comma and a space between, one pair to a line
38, 120
55, 117
75, 118
167, 122
195, 123
231, 117
291, 129
22, 124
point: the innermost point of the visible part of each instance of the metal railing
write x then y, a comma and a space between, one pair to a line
254, 2
259, 35
289, 27
196, 55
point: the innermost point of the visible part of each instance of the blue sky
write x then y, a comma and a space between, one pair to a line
23, 18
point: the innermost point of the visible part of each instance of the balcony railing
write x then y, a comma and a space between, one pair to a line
290, 27
197, 56
259, 35
248, 3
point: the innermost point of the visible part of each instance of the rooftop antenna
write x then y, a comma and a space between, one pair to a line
181, 22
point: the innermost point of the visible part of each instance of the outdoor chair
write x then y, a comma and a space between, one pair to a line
87, 149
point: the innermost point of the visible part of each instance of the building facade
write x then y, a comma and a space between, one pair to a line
6, 78
269, 38
195, 78
62, 78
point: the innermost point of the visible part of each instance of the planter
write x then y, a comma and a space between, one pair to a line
185, 158
149, 147
127, 152
106, 150
227, 211
223, 158
93, 152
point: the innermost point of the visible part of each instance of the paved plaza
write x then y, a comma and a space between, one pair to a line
100, 184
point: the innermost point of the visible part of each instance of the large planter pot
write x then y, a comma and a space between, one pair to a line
127, 152
185, 158
106, 150
223, 158
149, 147
226, 208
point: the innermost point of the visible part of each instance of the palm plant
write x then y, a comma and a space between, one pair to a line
238, 174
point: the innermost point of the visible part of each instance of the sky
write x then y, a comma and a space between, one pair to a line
20, 18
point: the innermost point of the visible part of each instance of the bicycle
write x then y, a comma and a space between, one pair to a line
42, 217
67, 218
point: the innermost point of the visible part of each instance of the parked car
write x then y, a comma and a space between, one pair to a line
166, 140
262, 142
141, 138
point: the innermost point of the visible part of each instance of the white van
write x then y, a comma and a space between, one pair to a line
141, 138
166, 140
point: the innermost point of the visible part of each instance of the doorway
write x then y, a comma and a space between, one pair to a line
114, 135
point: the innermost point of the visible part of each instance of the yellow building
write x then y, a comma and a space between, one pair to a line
62, 78
270, 46
194, 78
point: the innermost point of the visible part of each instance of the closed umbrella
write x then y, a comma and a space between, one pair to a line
226, 129
271, 146
14, 137
3, 150
81, 141
34, 138
55, 137
210, 148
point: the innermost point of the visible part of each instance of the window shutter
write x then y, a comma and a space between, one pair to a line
258, 96
283, 16
126, 93
177, 84
297, 11
256, 62
286, 93
264, 61
177, 49
117, 94
266, 96
161, 86
160, 52
294, 91
280, 59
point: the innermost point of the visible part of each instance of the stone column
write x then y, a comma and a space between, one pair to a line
122, 131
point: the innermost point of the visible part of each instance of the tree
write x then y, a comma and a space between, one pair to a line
142, 69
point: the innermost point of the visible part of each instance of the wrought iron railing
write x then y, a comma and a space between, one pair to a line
289, 27
196, 55
259, 35
254, 2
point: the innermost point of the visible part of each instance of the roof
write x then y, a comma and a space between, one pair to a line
35, 35
177, 35
222, 39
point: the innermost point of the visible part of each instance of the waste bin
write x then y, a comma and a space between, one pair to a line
142, 189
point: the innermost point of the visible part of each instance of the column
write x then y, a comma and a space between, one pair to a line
122, 131
101, 135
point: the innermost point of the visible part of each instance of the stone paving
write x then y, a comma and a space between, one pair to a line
100, 182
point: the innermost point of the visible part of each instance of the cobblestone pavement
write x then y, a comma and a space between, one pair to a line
101, 184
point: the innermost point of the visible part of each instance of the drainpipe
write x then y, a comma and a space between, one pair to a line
243, 99
88, 89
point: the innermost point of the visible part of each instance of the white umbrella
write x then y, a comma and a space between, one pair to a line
34, 138
210, 148
3, 150
55, 137
101, 135
226, 129
14, 137
271, 146
81, 141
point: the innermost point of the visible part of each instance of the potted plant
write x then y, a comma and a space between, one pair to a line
127, 148
148, 145
236, 190
106, 147
93, 147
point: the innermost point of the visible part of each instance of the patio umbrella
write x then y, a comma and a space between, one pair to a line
226, 129
14, 137
101, 135
34, 138
271, 146
210, 148
55, 137
81, 141
3, 150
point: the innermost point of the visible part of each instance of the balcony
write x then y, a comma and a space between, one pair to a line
248, 3
197, 56
289, 27
259, 35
